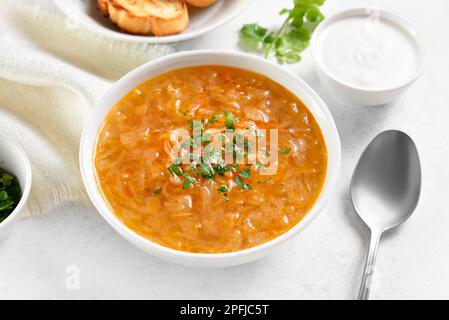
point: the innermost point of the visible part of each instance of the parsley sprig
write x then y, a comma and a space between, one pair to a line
293, 37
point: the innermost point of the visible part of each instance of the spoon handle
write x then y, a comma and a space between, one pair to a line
365, 288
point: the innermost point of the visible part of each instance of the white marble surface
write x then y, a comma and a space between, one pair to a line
325, 262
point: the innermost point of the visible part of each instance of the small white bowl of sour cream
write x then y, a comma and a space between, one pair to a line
368, 56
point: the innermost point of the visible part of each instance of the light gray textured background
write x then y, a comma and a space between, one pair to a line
324, 262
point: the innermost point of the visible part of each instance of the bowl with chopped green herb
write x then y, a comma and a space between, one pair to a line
15, 183
194, 208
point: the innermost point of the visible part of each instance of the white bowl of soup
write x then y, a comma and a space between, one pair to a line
263, 167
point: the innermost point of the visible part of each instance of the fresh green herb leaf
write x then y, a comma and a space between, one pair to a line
222, 169
293, 37
188, 181
246, 173
186, 184
157, 191
3, 195
10, 194
229, 120
209, 163
265, 181
214, 118
5, 179
258, 165
223, 189
239, 182
284, 151
252, 36
206, 170
242, 184
284, 12
175, 170
290, 46
6, 205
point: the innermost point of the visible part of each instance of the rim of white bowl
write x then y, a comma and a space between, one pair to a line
26, 188
405, 24
123, 36
88, 143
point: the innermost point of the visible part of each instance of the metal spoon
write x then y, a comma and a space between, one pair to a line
385, 190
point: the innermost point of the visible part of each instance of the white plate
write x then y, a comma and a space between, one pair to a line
86, 13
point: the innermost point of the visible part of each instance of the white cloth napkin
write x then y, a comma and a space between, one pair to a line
52, 72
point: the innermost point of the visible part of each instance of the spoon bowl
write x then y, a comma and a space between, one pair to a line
385, 189
386, 185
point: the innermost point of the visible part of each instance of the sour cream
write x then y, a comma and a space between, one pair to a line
369, 52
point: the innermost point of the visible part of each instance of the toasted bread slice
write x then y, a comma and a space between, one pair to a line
201, 3
157, 17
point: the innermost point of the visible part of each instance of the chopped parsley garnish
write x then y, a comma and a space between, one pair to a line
223, 189
190, 122
175, 170
210, 163
10, 194
214, 118
242, 184
222, 169
246, 173
229, 120
265, 181
188, 181
157, 191
285, 151
293, 37
207, 170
